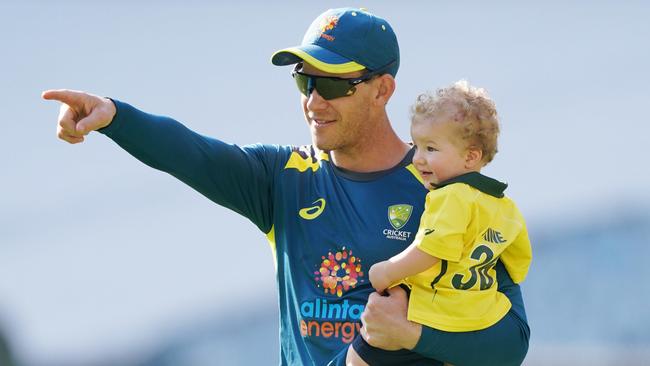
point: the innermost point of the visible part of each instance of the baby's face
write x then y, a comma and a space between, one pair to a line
437, 158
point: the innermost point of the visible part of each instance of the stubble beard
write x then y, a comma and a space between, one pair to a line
327, 143
343, 139
345, 136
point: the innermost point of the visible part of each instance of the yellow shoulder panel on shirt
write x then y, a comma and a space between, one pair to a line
411, 168
305, 157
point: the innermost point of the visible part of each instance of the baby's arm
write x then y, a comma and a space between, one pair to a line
407, 263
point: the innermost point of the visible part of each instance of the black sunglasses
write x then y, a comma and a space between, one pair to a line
330, 87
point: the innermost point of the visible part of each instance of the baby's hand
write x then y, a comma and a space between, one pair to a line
379, 278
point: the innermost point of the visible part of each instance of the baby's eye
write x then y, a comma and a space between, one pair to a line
431, 149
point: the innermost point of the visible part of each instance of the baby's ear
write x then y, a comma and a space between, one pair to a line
473, 158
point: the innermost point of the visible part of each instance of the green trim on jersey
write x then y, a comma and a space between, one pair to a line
479, 181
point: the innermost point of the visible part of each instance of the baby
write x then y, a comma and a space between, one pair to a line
467, 226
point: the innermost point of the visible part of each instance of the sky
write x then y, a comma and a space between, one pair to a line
99, 252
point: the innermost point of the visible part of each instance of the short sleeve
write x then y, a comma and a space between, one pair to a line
443, 224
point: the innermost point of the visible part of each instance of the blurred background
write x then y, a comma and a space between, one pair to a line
104, 261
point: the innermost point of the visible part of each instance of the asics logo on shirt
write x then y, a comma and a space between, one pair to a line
428, 231
310, 213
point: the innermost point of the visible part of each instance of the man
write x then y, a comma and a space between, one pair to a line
329, 210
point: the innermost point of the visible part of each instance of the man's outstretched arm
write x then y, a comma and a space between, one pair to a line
239, 178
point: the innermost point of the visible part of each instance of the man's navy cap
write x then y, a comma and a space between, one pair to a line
345, 40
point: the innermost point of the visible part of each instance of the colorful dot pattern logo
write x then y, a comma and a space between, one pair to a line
329, 23
339, 271
326, 25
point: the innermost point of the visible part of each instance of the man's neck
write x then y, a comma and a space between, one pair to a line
380, 152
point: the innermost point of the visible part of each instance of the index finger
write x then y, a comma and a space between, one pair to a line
69, 97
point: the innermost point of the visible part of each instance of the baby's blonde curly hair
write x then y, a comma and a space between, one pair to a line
470, 107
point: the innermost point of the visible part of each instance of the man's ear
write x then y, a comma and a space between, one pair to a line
385, 87
473, 158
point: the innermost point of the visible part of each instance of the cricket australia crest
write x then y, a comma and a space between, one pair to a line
399, 215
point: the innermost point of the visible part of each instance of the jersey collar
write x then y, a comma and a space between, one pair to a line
367, 177
479, 181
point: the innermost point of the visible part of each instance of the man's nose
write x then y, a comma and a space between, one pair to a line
315, 101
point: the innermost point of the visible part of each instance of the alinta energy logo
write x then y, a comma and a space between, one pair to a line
398, 216
328, 316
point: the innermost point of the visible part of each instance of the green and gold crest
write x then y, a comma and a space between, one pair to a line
399, 215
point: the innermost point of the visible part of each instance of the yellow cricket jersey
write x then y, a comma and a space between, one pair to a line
468, 224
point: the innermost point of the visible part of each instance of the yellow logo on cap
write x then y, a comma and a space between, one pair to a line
328, 24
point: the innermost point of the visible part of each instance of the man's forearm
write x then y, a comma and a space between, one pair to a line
234, 177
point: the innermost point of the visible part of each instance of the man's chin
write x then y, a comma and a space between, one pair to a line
323, 147
322, 144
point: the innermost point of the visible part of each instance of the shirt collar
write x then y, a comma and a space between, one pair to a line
479, 181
